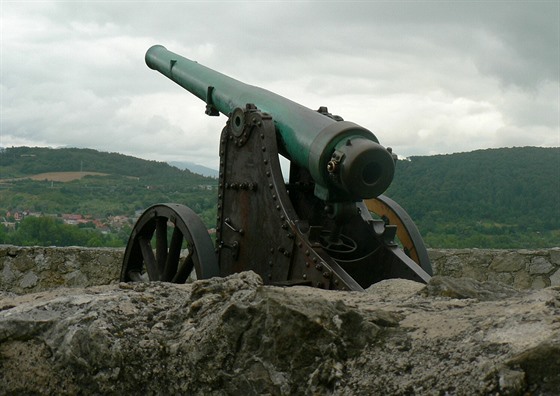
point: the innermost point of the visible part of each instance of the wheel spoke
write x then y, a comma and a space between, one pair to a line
173, 255
184, 269
161, 243
149, 258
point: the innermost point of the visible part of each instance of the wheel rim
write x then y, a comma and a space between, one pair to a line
407, 232
167, 242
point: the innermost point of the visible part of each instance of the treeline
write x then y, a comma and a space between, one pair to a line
25, 161
48, 231
495, 198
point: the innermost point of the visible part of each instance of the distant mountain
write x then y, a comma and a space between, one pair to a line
195, 168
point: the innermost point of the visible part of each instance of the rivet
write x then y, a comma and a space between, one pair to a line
307, 253
263, 149
304, 276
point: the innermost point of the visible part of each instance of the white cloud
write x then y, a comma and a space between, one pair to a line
425, 77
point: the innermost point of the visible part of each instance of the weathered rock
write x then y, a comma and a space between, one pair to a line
35, 269
235, 336
522, 269
467, 288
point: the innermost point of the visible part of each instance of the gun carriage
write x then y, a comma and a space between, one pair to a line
315, 229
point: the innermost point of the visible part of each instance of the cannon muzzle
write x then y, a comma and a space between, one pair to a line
345, 160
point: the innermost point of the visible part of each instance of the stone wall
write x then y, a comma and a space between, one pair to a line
33, 269
522, 269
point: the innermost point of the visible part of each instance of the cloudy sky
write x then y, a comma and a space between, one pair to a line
426, 77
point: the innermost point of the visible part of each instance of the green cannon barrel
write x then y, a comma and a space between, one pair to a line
345, 160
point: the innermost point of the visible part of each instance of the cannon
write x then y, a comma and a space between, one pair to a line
327, 224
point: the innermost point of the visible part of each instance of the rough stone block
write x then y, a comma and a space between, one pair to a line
508, 262
540, 265
522, 280
29, 280
555, 256
538, 283
555, 278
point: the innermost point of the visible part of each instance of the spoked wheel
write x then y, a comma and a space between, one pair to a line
167, 242
407, 232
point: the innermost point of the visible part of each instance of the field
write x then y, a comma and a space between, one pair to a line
58, 176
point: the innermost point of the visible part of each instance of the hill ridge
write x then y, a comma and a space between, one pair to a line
488, 198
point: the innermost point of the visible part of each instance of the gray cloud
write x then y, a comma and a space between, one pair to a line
426, 77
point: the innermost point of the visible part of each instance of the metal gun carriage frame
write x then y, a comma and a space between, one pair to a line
316, 229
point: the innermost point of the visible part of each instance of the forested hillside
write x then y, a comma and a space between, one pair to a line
496, 198
107, 202
26, 161
487, 198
